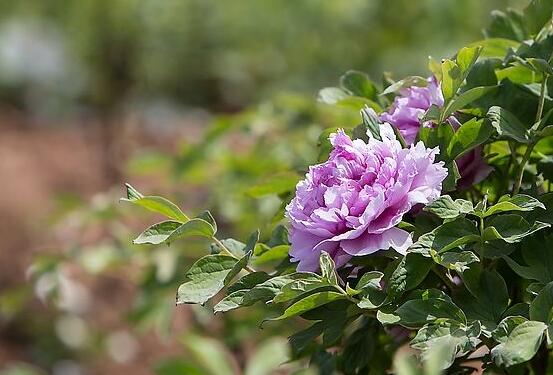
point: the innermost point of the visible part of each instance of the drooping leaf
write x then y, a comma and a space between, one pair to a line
207, 278
510, 228
457, 339
309, 303
169, 231
418, 312
507, 125
506, 326
296, 288
446, 208
409, 273
237, 291
520, 346
519, 202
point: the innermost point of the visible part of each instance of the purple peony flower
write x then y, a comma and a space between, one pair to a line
405, 114
411, 105
349, 205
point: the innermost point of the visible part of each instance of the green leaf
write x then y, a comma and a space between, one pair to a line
495, 47
243, 262
169, 231
207, 278
369, 289
415, 313
238, 290
508, 125
536, 15
309, 303
270, 288
157, 233
470, 135
332, 95
510, 228
456, 338
508, 25
466, 98
489, 290
455, 261
450, 182
466, 57
299, 287
541, 308
409, 273
358, 84
447, 236
506, 326
273, 254
520, 346
405, 83
519, 202
452, 77
278, 183
446, 208
539, 263
156, 204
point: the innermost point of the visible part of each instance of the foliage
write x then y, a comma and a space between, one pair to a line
476, 283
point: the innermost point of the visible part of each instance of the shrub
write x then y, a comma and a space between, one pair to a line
428, 223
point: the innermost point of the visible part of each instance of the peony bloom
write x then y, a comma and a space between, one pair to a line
350, 204
409, 107
405, 114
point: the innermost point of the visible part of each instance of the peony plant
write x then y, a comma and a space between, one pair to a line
426, 226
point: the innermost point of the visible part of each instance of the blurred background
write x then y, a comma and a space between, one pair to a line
198, 100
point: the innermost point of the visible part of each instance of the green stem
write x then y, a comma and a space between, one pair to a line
229, 253
528, 153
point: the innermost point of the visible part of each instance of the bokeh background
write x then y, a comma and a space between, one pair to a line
198, 100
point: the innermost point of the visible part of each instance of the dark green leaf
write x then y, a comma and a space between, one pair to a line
470, 135
510, 228
541, 308
358, 84
415, 313
446, 208
409, 273
465, 99
207, 277
309, 303
519, 202
508, 125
